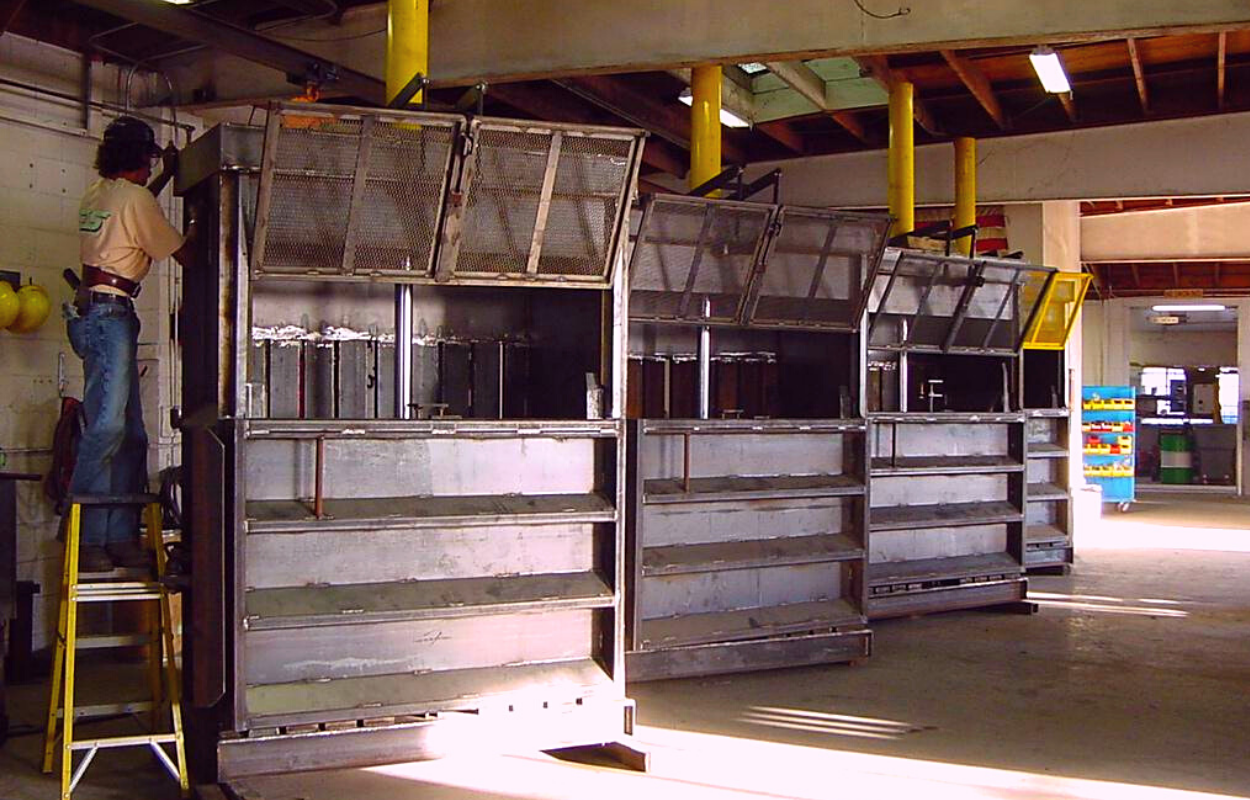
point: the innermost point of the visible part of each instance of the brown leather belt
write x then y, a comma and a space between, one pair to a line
94, 276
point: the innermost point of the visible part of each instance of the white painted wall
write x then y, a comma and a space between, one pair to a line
1179, 348
1171, 158
46, 151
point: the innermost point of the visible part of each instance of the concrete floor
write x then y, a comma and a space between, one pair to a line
1133, 681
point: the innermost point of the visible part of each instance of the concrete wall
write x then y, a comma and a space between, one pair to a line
1172, 234
47, 147
1172, 158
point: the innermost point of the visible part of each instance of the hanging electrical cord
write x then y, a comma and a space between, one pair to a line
901, 12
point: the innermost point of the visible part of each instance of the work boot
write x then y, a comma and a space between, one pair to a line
93, 558
129, 555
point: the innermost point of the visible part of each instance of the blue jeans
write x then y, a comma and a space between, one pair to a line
113, 453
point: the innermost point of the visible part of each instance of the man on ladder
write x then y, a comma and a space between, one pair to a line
121, 231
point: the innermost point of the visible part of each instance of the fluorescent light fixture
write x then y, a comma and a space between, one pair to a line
1188, 307
727, 118
1049, 70
180, 2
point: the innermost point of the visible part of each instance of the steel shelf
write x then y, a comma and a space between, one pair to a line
946, 515
317, 701
944, 465
1043, 534
747, 623
694, 558
935, 569
1047, 450
1045, 493
726, 487
272, 516
367, 603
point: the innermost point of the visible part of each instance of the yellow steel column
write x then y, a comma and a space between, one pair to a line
902, 158
705, 86
407, 44
965, 188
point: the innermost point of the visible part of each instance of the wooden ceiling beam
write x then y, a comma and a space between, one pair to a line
800, 77
1139, 75
9, 9
878, 68
1221, 63
979, 85
784, 134
1069, 105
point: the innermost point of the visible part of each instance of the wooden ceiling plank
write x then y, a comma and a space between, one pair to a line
979, 85
1139, 74
1221, 62
878, 68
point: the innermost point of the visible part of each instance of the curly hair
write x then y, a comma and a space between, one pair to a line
112, 158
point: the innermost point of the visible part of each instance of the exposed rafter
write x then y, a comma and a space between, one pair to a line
246, 44
979, 85
1139, 75
9, 9
1069, 105
784, 134
735, 97
879, 68
800, 77
1221, 69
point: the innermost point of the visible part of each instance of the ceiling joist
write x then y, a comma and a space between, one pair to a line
878, 67
800, 77
976, 82
1139, 76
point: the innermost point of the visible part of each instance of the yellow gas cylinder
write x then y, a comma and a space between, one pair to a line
33, 309
9, 304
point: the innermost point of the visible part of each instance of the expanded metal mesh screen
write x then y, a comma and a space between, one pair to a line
544, 203
817, 268
694, 258
344, 192
585, 205
931, 302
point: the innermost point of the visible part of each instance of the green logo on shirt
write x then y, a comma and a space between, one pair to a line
92, 221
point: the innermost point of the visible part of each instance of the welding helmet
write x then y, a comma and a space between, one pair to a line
132, 132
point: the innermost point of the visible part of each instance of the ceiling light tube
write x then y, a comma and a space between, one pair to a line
1049, 70
1188, 307
727, 118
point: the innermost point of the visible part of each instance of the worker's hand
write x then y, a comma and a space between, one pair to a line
169, 159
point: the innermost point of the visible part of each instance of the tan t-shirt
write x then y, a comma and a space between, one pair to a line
122, 230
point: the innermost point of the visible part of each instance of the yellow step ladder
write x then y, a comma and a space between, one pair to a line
106, 588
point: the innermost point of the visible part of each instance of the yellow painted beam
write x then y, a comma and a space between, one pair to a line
965, 188
705, 130
902, 158
407, 44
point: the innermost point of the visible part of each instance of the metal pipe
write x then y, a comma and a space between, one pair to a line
403, 351
407, 45
965, 188
902, 158
705, 364
319, 508
705, 132
685, 462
